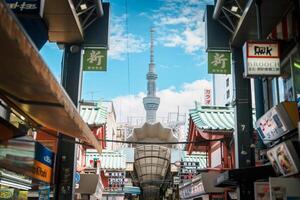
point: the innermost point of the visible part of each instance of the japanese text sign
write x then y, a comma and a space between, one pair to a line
26, 6
219, 62
94, 60
261, 59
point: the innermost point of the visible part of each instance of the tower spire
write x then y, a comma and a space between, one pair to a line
151, 45
151, 102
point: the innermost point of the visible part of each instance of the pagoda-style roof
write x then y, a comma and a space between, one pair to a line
214, 118
94, 114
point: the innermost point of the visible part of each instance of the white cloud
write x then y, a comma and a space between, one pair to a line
118, 40
179, 24
131, 106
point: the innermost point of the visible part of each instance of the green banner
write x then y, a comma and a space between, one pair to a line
94, 60
219, 62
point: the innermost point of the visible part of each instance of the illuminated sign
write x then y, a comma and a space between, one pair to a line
261, 59
277, 122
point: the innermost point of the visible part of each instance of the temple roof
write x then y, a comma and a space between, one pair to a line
214, 118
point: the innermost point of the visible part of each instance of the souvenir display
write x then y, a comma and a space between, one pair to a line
262, 191
284, 158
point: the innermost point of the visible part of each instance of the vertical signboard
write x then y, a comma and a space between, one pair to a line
207, 96
43, 163
219, 62
261, 59
94, 60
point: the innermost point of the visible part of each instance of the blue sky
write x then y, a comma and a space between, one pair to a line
179, 50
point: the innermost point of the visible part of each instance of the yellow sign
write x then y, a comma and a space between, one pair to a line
42, 172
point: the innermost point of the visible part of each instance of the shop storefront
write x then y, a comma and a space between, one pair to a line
25, 165
202, 188
265, 48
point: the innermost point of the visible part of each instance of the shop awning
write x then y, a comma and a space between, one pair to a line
132, 190
113, 161
195, 157
109, 160
272, 12
27, 83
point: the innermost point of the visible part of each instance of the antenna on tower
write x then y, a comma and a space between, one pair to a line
151, 45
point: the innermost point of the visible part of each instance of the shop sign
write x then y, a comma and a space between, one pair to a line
261, 59
276, 122
43, 163
207, 97
6, 194
219, 62
26, 6
176, 180
284, 159
95, 60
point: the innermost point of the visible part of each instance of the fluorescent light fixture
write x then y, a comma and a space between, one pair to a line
83, 6
297, 65
14, 185
234, 8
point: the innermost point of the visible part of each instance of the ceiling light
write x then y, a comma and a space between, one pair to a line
83, 6
234, 8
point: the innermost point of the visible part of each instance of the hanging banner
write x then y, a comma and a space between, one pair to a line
94, 60
261, 59
219, 62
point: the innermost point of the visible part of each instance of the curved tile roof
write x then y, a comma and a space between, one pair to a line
214, 118
195, 157
94, 115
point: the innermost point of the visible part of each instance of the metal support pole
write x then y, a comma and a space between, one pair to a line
258, 85
65, 165
243, 131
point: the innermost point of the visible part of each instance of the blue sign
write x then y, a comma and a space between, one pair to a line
25, 6
44, 155
77, 177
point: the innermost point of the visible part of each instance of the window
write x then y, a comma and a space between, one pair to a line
227, 82
227, 94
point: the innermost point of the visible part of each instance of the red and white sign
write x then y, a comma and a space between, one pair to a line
261, 59
207, 96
